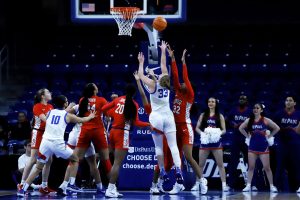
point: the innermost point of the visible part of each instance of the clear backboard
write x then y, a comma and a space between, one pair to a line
98, 11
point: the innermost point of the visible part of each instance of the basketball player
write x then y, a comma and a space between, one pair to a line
157, 183
89, 156
93, 131
125, 115
257, 126
211, 117
182, 104
235, 118
287, 145
40, 109
53, 140
161, 117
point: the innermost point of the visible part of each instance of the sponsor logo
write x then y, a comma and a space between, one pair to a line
141, 110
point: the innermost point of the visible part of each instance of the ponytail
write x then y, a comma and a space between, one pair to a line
38, 95
87, 93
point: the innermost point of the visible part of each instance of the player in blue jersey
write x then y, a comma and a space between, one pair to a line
287, 145
256, 129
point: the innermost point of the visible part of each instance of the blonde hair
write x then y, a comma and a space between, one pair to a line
164, 81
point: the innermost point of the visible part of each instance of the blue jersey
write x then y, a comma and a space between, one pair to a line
258, 142
237, 116
211, 122
287, 121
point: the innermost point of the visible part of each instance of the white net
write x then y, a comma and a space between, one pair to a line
125, 18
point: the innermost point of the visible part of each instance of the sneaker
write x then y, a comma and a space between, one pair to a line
254, 188
154, 190
44, 190
203, 181
298, 191
73, 188
196, 186
203, 189
273, 189
21, 193
160, 185
35, 187
179, 178
225, 188
61, 192
19, 186
112, 193
247, 188
100, 191
177, 188
164, 176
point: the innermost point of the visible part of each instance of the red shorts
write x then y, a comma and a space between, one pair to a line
95, 135
36, 138
184, 135
119, 139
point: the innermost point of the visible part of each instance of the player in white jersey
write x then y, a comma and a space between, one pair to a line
89, 156
53, 140
161, 117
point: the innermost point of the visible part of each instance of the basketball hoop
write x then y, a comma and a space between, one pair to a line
125, 18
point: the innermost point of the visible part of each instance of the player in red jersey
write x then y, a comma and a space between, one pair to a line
182, 104
92, 131
40, 110
125, 115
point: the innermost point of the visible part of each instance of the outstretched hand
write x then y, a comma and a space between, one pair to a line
170, 51
163, 45
136, 76
141, 57
93, 114
183, 56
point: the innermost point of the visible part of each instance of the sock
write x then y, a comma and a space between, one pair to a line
44, 184
111, 186
64, 184
248, 185
72, 180
99, 186
154, 184
107, 165
271, 185
223, 184
25, 186
23, 181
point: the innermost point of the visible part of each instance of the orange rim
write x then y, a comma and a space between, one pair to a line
127, 12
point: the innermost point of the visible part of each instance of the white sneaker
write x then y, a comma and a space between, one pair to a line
160, 183
225, 188
273, 189
177, 188
298, 191
247, 188
203, 188
112, 192
203, 181
154, 190
254, 188
196, 186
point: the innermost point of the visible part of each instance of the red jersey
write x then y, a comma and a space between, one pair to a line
183, 102
116, 112
39, 109
95, 103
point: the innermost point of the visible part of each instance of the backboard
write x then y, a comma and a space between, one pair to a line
98, 11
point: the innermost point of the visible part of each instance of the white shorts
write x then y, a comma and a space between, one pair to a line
73, 139
163, 121
50, 147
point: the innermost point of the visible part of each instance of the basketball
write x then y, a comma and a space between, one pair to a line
159, 23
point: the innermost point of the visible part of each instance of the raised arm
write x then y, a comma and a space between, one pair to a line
108, 106
242, 128
190, 91
140, 88
174, 69
163, 60
137, 121
149, 82
275, 128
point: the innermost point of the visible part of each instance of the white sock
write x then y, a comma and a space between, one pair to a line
110, 185
248, 185
25, 186
72, 180
44, 184
64, 184
154, 184
99, 186
23, 181
223, 184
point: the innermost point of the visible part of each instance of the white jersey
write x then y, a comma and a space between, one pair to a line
159, 99
55, 125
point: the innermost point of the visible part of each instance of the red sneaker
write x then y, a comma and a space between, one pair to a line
45, 190
19, 186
